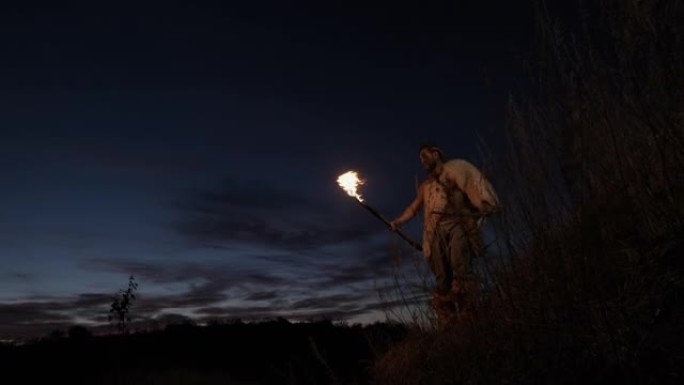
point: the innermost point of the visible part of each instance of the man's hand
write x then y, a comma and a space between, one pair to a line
487, 209
394, 225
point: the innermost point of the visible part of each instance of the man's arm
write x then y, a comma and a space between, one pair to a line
410, 211
470, 180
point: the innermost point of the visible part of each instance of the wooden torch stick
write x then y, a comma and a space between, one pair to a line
413, 243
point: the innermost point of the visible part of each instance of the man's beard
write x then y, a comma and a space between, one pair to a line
430, 166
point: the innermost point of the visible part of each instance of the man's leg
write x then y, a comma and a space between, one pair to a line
443, 301
464, 284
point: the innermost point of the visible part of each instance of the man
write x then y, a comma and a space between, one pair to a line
455, 198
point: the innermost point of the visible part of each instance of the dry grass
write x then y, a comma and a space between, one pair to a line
587, 279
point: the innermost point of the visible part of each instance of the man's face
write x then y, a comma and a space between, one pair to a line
428, 159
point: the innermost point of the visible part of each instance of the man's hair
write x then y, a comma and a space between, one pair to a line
432, 147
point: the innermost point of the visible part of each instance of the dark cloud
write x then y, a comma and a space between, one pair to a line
264, 295
90, 300
23, 312
206, 301
247, 194
216, 276
366, 267
36, 318
209, 285
262, 312
254, 312
267, 216
203, 294
172, 318
328, 302
300, 232
20, 277
261, 231
16, 276
316, 305
326, 286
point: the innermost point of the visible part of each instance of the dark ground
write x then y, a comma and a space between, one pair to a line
275, 352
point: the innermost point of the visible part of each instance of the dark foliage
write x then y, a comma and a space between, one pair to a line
274, 352
120, 310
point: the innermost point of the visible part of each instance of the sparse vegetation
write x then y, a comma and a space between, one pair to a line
120, 310
587, 280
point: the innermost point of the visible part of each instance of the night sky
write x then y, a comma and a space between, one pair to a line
197, 146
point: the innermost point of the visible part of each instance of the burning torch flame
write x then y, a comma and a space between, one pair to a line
349, 181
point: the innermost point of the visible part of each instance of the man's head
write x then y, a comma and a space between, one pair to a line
430, 156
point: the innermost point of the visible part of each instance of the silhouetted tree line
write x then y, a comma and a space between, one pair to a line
269, 352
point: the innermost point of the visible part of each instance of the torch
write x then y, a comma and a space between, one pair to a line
349, 182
